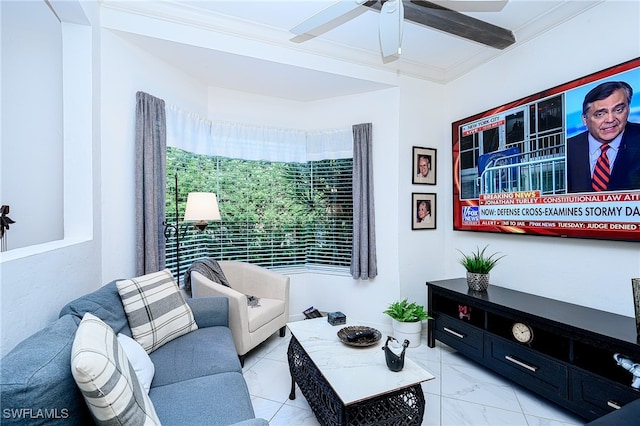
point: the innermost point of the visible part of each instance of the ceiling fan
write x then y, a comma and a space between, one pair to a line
393, 13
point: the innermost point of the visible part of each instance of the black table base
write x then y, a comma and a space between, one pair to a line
400, 407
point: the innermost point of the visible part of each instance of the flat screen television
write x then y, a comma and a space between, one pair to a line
526, 167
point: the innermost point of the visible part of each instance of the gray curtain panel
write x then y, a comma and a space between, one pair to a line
151, 148
363, 257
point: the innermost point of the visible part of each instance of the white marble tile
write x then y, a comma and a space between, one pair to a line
538, 407
432, 386
300, 401
278, 350
269, 379
265, 408
472, 384
538, 421
461, 413
432, 409
290, 416
249, 361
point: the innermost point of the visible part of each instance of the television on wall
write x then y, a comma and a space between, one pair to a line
527, 167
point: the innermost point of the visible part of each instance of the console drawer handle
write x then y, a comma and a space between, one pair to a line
455, 333
521, 364
614, 404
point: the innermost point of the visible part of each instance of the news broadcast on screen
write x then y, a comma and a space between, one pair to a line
563, 162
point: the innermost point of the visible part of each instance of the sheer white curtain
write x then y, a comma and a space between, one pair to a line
252, 142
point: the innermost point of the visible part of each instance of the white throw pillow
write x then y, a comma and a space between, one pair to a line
106, 378
155, 308
139, 359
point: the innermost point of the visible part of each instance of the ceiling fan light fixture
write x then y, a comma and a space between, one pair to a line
390, 31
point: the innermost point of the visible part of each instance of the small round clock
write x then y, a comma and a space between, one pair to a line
522, 332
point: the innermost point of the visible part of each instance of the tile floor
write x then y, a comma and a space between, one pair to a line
463, 392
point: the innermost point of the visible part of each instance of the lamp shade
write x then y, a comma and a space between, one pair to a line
201, 206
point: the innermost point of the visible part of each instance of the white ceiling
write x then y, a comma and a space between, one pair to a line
426, 53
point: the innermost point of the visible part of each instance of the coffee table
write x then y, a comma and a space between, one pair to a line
346, 385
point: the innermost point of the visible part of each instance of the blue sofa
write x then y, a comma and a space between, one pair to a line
198, 378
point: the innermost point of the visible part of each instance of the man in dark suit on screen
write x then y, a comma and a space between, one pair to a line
605, 111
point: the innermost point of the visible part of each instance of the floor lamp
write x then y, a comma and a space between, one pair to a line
202, 207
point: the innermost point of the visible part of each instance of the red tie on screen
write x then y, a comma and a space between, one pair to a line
601, 173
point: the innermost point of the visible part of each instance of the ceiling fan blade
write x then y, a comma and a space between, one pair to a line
328, 18
390, 32
452, 22
473, 5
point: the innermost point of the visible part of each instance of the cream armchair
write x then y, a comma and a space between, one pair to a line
250, 326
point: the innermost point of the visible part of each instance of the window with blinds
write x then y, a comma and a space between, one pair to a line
287, 216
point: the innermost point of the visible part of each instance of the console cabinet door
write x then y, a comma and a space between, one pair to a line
598, 396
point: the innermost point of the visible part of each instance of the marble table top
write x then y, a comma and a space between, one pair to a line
355, 373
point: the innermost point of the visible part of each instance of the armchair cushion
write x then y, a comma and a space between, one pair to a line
267, 311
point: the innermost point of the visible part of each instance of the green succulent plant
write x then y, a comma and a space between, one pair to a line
404, 311
478, 262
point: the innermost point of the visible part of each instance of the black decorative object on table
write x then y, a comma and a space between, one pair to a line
336, 318
394, 361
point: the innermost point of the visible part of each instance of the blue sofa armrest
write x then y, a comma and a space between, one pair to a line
210, 311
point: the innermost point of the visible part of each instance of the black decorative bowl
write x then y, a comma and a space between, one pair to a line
359, 336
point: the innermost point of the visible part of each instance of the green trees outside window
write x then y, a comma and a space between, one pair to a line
277, 215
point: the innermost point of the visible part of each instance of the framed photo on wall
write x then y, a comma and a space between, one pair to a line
423, 211
424, 166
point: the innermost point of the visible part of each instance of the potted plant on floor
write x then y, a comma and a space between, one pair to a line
407, 320
478, 265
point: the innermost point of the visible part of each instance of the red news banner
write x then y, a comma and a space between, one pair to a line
603, 212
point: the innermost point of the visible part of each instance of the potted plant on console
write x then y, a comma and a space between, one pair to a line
478, 265
407, 320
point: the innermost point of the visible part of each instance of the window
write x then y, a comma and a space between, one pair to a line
294, 216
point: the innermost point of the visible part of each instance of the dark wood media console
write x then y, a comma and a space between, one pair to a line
570, 358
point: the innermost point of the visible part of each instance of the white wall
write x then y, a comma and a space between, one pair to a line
32, 43
126, 69
587, 272
38, 279
423, 123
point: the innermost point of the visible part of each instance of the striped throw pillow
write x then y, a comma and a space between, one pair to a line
106, 378
155, 308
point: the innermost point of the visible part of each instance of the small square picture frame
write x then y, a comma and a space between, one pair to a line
423, 211
424, 166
